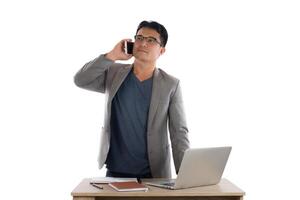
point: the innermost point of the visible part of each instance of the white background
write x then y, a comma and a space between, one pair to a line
238, 62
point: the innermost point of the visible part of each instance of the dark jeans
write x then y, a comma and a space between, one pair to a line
124, 175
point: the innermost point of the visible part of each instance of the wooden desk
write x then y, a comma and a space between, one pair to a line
224, 190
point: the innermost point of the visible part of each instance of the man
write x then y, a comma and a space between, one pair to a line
142, 104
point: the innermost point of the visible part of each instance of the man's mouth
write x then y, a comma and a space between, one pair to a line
144, 51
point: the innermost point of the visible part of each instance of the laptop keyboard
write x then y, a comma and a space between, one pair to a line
169, 183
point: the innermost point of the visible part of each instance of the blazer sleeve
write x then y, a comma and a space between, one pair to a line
178, 127
92, 75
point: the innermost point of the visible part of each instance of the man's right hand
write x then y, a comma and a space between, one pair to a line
117, 53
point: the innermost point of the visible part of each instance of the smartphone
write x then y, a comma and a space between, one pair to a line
128, 47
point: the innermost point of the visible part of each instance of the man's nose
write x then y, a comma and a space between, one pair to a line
144, 43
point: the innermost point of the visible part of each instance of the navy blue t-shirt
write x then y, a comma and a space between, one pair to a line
129, 115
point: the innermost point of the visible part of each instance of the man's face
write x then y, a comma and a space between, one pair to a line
147, 46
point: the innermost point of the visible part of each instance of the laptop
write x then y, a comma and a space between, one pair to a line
199, 167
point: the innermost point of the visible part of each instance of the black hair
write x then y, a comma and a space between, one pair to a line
158, 28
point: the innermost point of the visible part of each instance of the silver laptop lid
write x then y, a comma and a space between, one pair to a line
203, 166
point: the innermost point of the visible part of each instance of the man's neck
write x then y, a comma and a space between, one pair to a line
143, 70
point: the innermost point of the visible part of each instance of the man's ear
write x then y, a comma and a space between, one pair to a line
162, 51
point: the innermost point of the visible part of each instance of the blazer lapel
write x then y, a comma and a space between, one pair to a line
120, 77
156, 92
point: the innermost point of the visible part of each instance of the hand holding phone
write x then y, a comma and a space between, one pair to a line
119, 52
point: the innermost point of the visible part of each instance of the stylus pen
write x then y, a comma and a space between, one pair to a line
96, 186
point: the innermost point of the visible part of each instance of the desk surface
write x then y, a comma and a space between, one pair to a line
225, 189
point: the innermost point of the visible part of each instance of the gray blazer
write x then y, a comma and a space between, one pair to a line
166, 112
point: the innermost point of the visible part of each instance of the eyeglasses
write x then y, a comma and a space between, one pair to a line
149, 40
